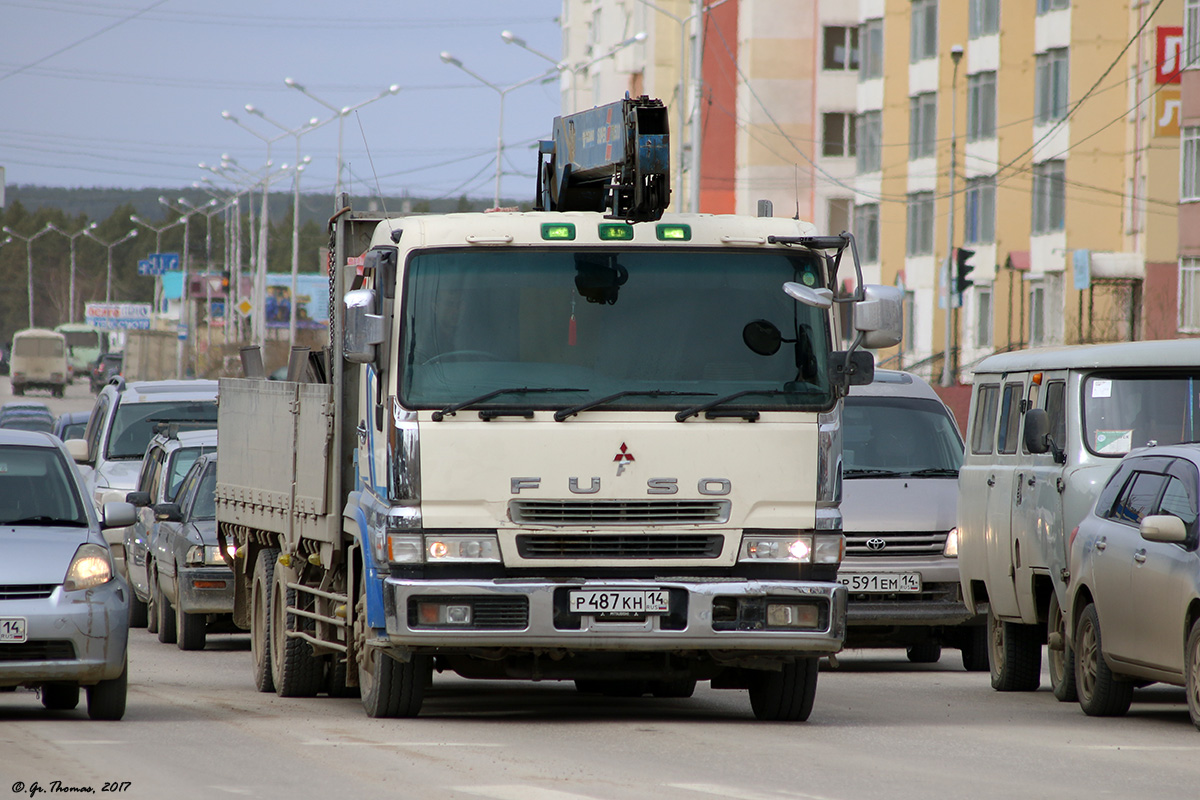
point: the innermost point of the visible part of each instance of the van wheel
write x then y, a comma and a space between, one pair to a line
1191, 661
975, 649
1101, 694
925, 653
786, 695
1060, 655
1014, 655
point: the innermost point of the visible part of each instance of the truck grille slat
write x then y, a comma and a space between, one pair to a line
651, 545
898, 543
619, 512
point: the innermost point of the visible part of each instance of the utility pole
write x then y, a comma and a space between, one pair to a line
947, 366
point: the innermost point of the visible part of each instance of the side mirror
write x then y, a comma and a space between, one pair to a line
382, 260
138, 499
168, 512
364, 329
78, 450
1037, 431
859, 370
1163, 528
117, 515
879, 316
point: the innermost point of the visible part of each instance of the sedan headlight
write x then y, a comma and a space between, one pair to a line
792, 546
91, 567
951, 548
209, 555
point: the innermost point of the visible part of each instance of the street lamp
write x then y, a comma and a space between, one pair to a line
503, 92
308, 127
956, 53
158, 232
341, 118
72, 237
110, 246
29, 258
183, 359
511, 38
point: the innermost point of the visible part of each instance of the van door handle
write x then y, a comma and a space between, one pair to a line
991, 481
1140, 556
1032, 480
361, 430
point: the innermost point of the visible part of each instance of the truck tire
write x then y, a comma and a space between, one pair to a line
786, 695
260, 618
335, 677
1101, 693
1060, 656
166, 613
924, 653
60, 696
106, 699
138, 612
1014, 655
295, 671
192, 630
1191, 679
389, 688
975, 649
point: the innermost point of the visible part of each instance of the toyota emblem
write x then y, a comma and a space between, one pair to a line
876, 543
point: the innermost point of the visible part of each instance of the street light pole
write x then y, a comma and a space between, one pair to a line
72, 237
29, 258
341, 117
186, 318
956, 53
110, 246
503, 92
158, 232
511, 38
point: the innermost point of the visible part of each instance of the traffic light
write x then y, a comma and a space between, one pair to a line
962, 268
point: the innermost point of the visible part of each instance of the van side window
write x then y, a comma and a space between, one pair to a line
985, 419
1010, 418
1056, 410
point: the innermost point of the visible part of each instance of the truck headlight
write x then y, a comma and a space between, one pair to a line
792, 546
91, 567
951, 548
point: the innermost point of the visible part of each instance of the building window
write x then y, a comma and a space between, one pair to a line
981, 106
1189, 183
984, 18
983, 316
870, 34
1191, 32
980, 211
1049, 197
1044, 6
837, 214
919, 239
841, 48
922, 125
839, 134
923, 41
869, 142
1189, 295
1051, 79
1037, 314
866, 232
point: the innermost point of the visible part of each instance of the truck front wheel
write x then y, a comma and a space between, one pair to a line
1015, 655
389, 688
786, 695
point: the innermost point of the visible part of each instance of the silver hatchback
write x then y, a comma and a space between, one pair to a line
63, 610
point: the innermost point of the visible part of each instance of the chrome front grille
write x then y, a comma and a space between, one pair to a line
896, 543
591, 513
27, 591
649, 545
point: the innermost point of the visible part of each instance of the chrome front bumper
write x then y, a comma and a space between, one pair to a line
691, 624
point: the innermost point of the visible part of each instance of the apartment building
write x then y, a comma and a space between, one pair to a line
1043, 135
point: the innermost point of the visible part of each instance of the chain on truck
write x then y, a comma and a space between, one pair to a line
591, 442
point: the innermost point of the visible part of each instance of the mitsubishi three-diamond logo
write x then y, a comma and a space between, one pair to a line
624, 457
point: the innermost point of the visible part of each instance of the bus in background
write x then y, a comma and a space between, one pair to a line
85, 344
38, 361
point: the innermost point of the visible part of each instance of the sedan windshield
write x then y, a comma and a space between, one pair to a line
35, 488
654, 328
1124, 410
896, 435
134, 424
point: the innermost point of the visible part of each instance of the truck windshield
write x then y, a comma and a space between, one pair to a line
898, 435
647, 323
1124, 410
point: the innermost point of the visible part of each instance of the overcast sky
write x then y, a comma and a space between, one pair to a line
129, 93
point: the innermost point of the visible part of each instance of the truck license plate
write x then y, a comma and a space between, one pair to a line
881, 582
12, 630
603, 601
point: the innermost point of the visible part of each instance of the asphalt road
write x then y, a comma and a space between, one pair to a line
881, 728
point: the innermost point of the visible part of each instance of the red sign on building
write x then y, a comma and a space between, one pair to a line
1168, 55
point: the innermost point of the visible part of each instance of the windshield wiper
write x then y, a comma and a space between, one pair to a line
934, 472
44, 520
868, 473
696, 410
563, 413
451, 410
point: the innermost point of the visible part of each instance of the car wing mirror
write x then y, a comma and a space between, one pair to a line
1163, 528
138, 499
118, 515
168, 512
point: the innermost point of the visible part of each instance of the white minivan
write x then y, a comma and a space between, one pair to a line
1047, 427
